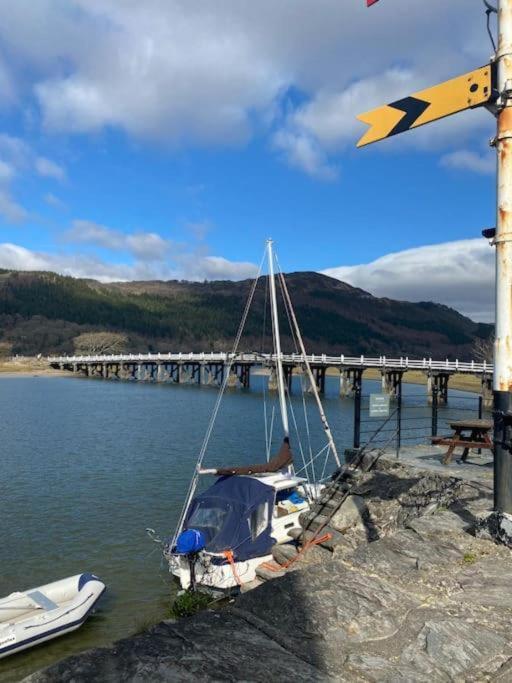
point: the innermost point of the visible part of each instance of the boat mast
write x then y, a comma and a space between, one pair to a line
277, 340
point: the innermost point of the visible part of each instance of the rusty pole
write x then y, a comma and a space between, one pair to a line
503, 241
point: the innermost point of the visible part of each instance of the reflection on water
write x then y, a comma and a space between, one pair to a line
87, 465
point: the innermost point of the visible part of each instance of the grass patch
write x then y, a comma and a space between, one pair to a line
469, 558
189, 603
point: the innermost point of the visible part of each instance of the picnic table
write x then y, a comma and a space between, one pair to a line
466, 434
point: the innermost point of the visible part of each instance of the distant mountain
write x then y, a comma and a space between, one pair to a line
42, 312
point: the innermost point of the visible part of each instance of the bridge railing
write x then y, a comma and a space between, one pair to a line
342, 361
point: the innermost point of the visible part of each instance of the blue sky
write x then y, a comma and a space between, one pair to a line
168, 139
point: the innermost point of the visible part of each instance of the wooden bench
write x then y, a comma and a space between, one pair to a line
466, 434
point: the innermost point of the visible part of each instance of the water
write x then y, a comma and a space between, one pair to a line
87, 465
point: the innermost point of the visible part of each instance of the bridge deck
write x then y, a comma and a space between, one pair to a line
382, 362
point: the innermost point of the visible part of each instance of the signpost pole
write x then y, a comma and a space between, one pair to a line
503, 240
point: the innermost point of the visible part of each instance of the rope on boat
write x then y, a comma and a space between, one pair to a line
228, 554
275, 567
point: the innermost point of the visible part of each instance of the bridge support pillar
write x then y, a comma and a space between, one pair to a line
288, 376
440, 381
243, 372
392, 382
195, 373
233, 379
217, 373
272, 380
351, 381
319, 375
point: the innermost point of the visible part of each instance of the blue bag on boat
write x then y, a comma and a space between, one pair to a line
190, 541
295, 498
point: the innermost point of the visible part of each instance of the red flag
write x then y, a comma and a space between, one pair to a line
369, 3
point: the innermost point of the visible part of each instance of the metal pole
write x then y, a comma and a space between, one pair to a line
480, 413
502, 383
434, 410
277, 340
357, 415
399, 417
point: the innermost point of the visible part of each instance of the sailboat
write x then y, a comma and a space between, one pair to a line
226, 531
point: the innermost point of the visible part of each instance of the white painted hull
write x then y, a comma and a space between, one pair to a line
40, 614
225, 576
214, 576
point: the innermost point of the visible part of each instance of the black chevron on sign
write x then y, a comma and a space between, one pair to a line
413, 108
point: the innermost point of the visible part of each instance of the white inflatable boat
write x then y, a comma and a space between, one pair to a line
33, 616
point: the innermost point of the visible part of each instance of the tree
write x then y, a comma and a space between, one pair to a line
483, 349
100, 343
5, 349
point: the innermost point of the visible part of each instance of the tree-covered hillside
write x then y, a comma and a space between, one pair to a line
44, 312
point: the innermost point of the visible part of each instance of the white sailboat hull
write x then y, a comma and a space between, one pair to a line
211, 575
40, 614
216, 577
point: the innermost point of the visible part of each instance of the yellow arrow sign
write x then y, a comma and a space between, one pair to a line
464, 92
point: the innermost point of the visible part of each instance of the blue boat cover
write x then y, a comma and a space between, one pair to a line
234, 514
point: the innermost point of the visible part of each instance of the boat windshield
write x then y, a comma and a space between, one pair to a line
209, 517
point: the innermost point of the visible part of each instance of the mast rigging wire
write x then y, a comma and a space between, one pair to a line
323, 417
230, 360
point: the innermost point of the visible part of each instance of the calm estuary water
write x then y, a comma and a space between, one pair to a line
87, 465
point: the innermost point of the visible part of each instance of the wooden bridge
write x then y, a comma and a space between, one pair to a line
209, 368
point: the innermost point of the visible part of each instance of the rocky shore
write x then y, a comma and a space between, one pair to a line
402, 591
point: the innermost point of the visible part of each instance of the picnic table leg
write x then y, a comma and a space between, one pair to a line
473, 437
448, 455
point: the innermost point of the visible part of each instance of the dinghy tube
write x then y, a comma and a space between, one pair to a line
39, 614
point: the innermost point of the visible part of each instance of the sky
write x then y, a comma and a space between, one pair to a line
168, 139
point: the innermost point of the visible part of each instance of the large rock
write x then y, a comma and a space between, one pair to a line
351, 513
212, 646
284, 553
429, 602
451, 647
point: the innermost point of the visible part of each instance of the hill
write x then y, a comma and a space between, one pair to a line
42, 312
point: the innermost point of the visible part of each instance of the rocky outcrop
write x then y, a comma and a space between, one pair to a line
425, 601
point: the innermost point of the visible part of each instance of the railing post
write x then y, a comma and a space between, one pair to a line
357, 415
434, 410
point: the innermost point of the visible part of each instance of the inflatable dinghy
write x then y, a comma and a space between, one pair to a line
39, 614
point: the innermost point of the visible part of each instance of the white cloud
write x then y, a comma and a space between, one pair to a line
466, 160
143, 245
10, 209
187, 266
49, 169
54, 201
7, 171
459, 274
302, 151
15, 150
208, 72
17, 159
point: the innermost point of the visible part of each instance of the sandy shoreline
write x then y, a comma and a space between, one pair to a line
34, 373
29, 368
